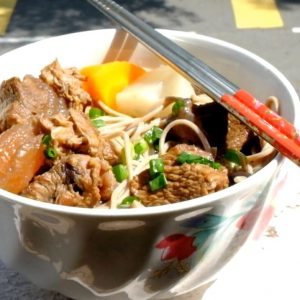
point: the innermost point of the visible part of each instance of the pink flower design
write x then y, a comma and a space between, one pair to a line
176, 246
247, 221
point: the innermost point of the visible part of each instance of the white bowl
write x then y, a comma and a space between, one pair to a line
143, 253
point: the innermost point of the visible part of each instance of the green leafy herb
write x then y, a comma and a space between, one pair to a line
51, 152
46, 139
95, 112
235, 156
120, 171
156, 167
159, 182
189, 158
179, 103
153, 135
127, 201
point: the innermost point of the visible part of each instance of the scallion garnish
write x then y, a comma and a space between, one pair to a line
190, 158
179, 103
95, 112
156, 167
120, 171
127, 201
158, 182
236, 157
46, 139
51, 152
98, 122
140, 147
95, 115
153, 135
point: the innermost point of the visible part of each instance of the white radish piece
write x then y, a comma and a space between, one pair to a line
149, 91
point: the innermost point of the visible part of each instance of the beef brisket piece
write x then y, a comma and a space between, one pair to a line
186, 181
22, 100
68, 84
74, 180
222, 129
78, 134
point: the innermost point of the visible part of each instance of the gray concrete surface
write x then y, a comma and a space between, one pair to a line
34, 20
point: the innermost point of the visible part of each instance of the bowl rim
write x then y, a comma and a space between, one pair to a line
180, 206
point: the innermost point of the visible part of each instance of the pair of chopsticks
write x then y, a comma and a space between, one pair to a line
277, 131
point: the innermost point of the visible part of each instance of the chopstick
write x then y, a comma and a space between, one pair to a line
273, 128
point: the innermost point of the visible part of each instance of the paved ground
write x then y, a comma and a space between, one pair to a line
33, 20
280, 46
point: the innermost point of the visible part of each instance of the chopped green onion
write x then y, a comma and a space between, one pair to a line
127, 201
95, 112
235, 156
120, 171
156, 167
189, 158
95, 115
159, 182
50, 153
179, 103
140, 147
153, 135
98, 122
46, 139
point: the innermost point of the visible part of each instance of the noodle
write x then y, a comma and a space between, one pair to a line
190, 124
261, 157
128, 154
119, 193
111, 111
273, 103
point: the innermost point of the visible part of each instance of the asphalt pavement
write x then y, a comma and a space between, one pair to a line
35, 20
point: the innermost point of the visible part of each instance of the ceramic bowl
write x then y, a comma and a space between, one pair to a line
144, 253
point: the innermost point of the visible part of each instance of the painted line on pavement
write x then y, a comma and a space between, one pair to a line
6, 10
256, 14
296, 29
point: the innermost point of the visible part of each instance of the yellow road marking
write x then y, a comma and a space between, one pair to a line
6, 10
256, 14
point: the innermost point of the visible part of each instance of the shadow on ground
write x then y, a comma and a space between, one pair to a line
48, 17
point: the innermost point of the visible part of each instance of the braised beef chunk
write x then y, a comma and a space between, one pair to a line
75, 180
108, 152
21, 100
68, 84
87, 132
76, 133
222, 129
186, 181
173, 152
62, 132
212, 119
238, 134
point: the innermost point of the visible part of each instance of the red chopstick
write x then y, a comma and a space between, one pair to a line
273, 128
